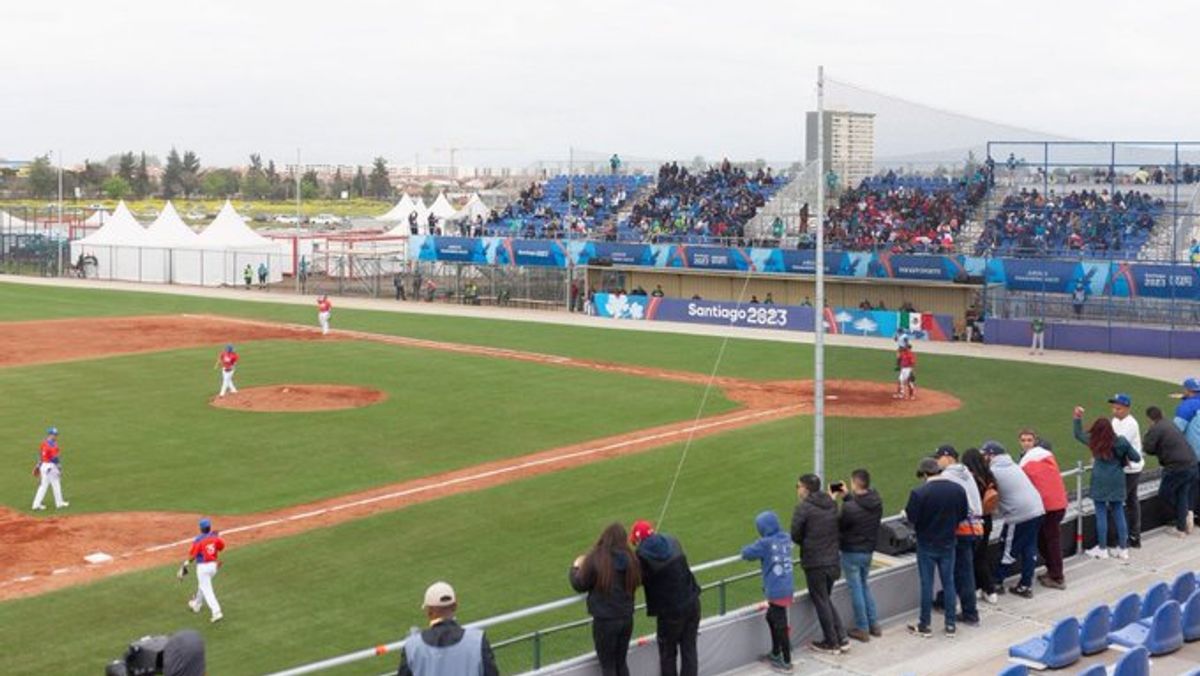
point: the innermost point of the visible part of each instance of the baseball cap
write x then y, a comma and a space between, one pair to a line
641, 530
439, 595
992, 447
1120, 398
205, 524
229, 347
945, 451
928, 467
52, 430
1192, 384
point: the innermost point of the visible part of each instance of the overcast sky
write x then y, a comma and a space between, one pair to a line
349, 80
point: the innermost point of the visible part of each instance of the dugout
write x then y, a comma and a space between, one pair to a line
948, 298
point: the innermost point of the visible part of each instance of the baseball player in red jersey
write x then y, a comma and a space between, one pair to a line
50, 471
906, 361
323, 308
227, 362
205, 551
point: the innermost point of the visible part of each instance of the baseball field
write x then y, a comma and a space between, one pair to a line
484, 452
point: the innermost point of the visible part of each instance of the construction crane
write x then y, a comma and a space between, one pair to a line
454, 150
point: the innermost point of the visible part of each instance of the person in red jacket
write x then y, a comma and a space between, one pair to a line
1041, 467
906, 363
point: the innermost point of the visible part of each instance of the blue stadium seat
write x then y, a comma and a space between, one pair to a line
1093, 634
1160, 634
1015, 670
1057, 649
1191, 617
1094, 670
1125, 611
1155, 597
1135, 663
1183, 586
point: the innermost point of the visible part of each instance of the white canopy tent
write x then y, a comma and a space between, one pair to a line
400, 212
98, 218
8, 222
167, 256
442, 208
116, 246
221, 253
474, 207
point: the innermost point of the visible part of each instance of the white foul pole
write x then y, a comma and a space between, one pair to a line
819, 318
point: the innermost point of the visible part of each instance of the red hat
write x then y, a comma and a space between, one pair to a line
641, 530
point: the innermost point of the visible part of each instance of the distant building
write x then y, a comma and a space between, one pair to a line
849, 144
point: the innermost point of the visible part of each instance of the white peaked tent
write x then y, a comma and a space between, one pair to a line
474, 207
400, 212
98, 218
166, 257
10, 222
116, 246
442, 208
225, 248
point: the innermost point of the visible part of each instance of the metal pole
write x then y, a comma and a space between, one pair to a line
58, 271
819, 321
298, 230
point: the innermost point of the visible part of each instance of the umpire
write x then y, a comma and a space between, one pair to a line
445, 648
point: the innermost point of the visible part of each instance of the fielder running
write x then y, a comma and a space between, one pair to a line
49, 469
205, 550
323, 308
227, 362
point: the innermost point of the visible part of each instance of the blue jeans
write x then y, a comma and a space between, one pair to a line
940, 559
964, 575
1020, 546
1176, 491
1118, 509
856, 566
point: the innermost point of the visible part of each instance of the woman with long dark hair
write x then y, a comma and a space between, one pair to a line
610, 575
975, 464
1110, 453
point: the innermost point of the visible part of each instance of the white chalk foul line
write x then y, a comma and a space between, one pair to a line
478, 476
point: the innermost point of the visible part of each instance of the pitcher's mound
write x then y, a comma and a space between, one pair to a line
288, 398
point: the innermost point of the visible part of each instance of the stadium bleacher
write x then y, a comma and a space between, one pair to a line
552, 211
1094, 223
905, 213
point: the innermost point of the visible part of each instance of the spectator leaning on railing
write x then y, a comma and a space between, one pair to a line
966, 535
1164, 441
1022, 511
1040, 465
973, 460
672, 597
610, 575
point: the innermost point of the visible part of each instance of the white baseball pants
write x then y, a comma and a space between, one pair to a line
227, 382
905, 375
1039, 342
51, 478
323, 320
205, 572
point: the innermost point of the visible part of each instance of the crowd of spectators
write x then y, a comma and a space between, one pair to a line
904, 214
700, 207
1085, 221
564, 208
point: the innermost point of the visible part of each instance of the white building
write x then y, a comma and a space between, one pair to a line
849, 144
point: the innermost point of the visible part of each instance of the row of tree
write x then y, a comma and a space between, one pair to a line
130, 175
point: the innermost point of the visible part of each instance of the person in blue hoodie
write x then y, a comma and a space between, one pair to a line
610, 575
773, 550
672, 598
1187, 419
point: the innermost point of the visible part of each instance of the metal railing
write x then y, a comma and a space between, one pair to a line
1078, 507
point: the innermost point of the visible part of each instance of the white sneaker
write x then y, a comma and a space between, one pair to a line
1122, 554
38, 508
1191, 522
194, 606
216, 618
64, 505
1097, 552
991, 598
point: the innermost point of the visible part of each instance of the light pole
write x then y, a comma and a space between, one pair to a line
819, 318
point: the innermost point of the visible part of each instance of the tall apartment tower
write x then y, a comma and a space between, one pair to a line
849, 144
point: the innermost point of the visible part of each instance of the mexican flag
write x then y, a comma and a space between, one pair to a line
915, 321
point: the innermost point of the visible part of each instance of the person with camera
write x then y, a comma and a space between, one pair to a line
815, 530
858, 532
446, 648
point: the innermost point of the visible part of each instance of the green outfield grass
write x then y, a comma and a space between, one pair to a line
357, 584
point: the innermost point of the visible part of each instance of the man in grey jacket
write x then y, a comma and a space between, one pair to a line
1022, 510
968, 533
